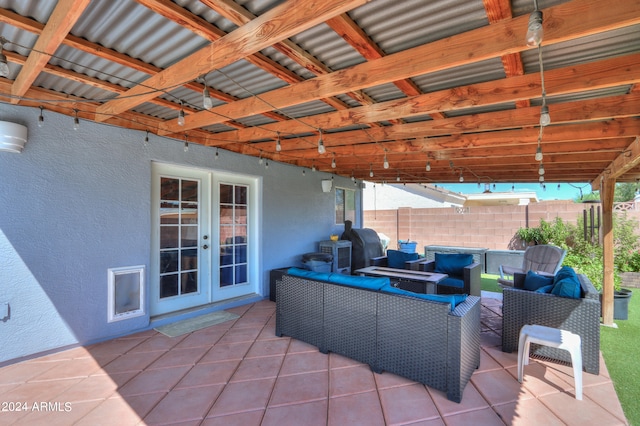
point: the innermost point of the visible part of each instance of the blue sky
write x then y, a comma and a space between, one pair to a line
566, 191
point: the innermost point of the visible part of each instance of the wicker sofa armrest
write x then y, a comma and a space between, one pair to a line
472, 279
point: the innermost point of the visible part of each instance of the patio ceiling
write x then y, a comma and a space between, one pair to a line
449, 82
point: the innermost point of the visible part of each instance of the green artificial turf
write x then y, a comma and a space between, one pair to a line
620, 350
620, 347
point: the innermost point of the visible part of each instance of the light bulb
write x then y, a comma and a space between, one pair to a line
545, 119
385, 164
541, 169
398, 178
260, 160
186, 145
41, 118
313, 167
538, 156
534, 30
181, 118
278, 144
428, 168
76, 121
353, 178
541, 179
207, 103
461, 179
370, 171
4, 67
321, 149
333, 163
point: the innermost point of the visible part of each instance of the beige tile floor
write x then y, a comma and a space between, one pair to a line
240, 373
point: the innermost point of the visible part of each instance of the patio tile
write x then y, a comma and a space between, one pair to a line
243, 396
307, 414
242, 334
176, 357
471, 400
151, 381
354, 410
258, 368
181, 405
69, 369
268, 348
490, 339
90, 389
499, 387
251, 418
407, 404
484, 417
300, 346
209, 374
487, 363
42, 391
116, 346
505, 359
57, 413
22, 372
201, 338
300, 388
129, 411
350, 380
305, 362
574, 412
136, 361
539, 380
226, 351
159, 342
528, 412
390, 380
339, 361
268, 332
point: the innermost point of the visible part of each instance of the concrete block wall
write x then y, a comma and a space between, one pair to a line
491, 227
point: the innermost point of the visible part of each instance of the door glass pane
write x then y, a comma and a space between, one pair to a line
179, 236
233, 234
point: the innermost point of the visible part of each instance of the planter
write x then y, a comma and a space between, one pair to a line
621, 304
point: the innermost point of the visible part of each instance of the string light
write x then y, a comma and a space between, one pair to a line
545, 119
534, 29
278, 144
321, 149
461, 177
181, 115
76, 121
41, 117
370, 170
333, 163
541, 169
186, 144
428, 168
207, 103
398, 177
385, 164
260, 160
538, 156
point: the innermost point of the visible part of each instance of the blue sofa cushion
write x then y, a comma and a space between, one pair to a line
452, 263
452, 299
452, 282
534, 281
566, 283
545, 289
397, 258
369, 283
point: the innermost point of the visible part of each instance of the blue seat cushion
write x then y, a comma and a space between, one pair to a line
534, 281
369, 283
452, 282
545, 289
452, 299
397, 258
566, 283
452, 263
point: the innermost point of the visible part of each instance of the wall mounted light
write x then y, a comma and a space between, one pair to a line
13, 137
326, 185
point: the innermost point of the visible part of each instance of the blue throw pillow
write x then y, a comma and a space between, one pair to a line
566, 283
533, 281
452, 263
397, 258
545, 289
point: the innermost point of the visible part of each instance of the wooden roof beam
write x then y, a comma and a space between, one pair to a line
626, 161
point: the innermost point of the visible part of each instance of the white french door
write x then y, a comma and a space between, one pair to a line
204, 237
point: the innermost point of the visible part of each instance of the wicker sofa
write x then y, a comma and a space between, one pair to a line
580, 316
419, 339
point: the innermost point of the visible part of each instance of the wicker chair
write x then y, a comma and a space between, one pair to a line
579, 316
470, 279
541, 258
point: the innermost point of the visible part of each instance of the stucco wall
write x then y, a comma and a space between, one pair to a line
76, 203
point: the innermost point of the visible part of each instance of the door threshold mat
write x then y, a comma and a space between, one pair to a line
197, 323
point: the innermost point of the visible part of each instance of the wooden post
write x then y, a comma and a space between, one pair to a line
607, 189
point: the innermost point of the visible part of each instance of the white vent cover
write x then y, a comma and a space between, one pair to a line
12, 136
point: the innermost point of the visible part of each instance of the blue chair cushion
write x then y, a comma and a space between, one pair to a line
534, 281
452, 299
566, 283
452, 282
397, 258
545, 289
452, 263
